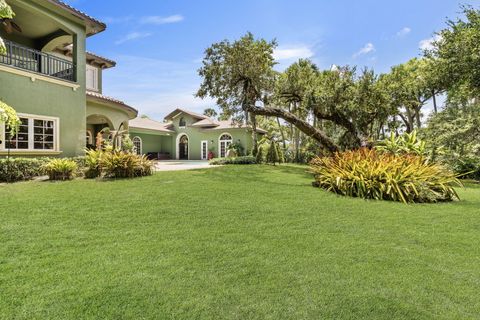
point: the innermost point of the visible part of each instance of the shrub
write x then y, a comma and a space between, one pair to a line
92, 163
273, 155
21, 169
408, 143
60, 169
237, 160
369, 174
121, 164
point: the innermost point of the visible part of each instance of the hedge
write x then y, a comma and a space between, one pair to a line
236, 160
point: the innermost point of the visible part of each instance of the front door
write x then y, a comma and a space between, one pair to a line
183, 148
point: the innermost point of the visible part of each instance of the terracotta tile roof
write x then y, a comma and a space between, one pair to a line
146, 123
178, 110
120, 103
207, 122
79, 13
108, 61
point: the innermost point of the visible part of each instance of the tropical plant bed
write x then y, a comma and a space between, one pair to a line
270, 247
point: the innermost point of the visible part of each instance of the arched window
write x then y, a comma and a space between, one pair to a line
137, 145
223, 142
182, 122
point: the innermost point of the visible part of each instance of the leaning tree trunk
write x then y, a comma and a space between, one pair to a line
300, 124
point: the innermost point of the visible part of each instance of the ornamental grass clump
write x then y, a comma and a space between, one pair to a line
368, 174
61, 169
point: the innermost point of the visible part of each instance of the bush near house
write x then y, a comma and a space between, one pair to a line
369, 174
21, 169
237, 160
60, 169
112, 163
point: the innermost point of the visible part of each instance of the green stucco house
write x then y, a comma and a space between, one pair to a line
55, 86
186, 135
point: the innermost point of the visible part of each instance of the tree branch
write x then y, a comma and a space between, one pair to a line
302, 125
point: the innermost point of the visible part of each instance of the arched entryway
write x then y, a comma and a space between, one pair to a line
182, 147
224, 142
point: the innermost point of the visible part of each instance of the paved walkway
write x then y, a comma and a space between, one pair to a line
173, 165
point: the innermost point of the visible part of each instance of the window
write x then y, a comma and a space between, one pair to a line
35, 133
204, 148
224, 141
182, 123
92, 78
137, 145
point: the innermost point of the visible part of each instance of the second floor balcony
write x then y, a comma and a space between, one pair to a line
22, 57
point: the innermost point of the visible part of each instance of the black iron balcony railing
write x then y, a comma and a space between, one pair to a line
37, 61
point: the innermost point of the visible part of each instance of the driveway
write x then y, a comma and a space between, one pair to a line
173, 165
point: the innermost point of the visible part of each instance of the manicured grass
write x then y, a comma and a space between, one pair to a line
242, 242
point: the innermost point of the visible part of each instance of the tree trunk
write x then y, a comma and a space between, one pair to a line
253, 119
417, 118
282, 133
300, 124
434, 97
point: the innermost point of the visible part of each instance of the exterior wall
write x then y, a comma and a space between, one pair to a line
153, 142
114, 116
39, 95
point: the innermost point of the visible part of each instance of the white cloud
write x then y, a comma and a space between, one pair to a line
133, 36
112, 20
369, 47
293, 53
404, 32
162, 20
427, 44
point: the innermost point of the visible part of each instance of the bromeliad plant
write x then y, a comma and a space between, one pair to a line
60, 169
369, 174
114, 163
408, 143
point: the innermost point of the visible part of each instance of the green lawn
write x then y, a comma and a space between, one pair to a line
244, 242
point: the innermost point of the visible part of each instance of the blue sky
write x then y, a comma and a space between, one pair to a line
158, 45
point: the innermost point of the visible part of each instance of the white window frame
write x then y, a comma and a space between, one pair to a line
204, 156
31, 118
141, 145
95, 78
227, 143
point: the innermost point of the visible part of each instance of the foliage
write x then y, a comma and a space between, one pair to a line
237, 74
367, 174
236, 160
9, 117
237, 148
21, 169
60, 169
92, 163
120, 164
408, 143
6, 12
454, 138
210, 112
409, 87
456, 51
274, 153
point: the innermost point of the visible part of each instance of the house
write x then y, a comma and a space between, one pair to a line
55, 85
187, 135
